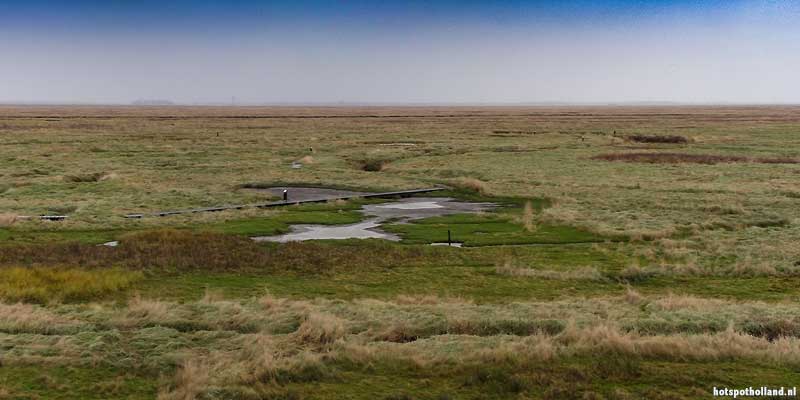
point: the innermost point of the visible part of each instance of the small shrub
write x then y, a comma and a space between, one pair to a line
373, 164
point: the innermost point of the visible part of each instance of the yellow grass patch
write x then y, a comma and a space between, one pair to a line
48, 285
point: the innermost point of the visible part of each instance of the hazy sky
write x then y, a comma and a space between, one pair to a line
117, 51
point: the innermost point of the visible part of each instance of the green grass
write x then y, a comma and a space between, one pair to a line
276, 222
281, 222
487, 230
477, 283
10, 236
572, 378
55, 382
725, 234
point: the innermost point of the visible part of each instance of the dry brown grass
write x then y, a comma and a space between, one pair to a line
26, 318
425, 334
321, 329
190, 381
684, 302
140, 309
727, 345
633, 297
470, 184
429, 300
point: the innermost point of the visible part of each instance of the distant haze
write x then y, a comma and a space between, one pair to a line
254, 52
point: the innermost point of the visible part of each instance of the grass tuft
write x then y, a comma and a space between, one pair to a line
470, 184
321, 329
373, 164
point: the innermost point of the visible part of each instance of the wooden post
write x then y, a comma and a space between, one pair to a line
448, 238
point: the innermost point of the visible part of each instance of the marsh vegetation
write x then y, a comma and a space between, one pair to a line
658, 277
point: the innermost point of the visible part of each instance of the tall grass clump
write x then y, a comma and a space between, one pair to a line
27, 318
374, 163
321, 329
470, 184
190, 381
49, 285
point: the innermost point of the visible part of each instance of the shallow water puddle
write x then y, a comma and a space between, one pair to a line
411, 206
451, 244
403, 210
423, 207
362, 230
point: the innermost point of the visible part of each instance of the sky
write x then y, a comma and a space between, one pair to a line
316, 51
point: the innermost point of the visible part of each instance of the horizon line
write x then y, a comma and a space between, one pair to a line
132, 104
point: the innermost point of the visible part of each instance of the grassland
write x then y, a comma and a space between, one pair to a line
637, 253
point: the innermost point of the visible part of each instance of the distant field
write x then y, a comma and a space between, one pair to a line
638, 252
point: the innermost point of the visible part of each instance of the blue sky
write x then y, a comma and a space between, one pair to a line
412, 51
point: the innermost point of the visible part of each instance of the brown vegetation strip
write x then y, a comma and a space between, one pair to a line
675, 158
658, 139
185, 250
